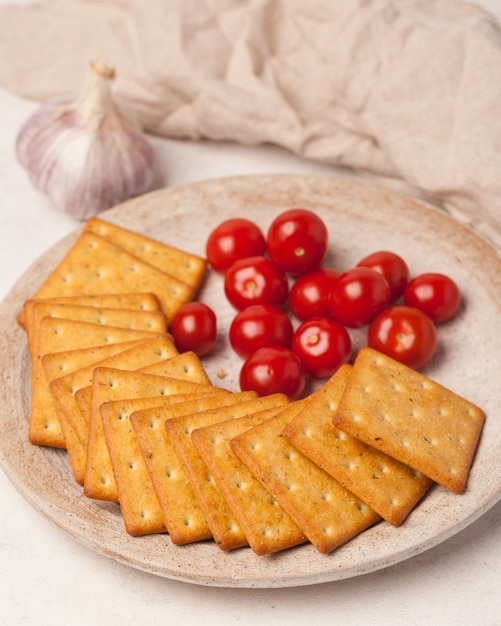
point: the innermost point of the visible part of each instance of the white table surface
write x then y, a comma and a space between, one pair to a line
49, 578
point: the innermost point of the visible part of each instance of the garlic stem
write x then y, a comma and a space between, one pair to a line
96, 102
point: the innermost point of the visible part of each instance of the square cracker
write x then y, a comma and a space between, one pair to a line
182, 265
133, 301
93, 265
267, 526
411, 418
388, 486
223, 524
327, 513
56, 335
36, 310
110, 383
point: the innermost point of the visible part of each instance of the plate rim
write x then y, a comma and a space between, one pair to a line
12, 300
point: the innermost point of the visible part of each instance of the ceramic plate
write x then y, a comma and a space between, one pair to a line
361, 219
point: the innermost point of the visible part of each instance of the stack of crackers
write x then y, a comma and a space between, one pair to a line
145, 428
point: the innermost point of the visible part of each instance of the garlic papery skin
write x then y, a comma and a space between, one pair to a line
84, 153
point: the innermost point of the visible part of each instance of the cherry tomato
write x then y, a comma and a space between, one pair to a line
297, 241
194, 328
323, 345
392, 267
273, 369
255, 280
357, 296
435, 294
257, 326
234, 239
309, 295
404, 333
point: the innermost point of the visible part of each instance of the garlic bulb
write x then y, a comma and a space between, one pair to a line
84, 153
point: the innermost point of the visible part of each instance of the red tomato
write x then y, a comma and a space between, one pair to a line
255, 280
357, 296
297, 241
404, 333
392, 267
309, 295
436, 295
273, 369
323, 345
194, 328
234, 239
257, 326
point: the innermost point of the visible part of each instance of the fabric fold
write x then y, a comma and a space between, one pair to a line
408, 90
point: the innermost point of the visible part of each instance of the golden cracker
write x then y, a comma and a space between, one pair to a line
132, 301
114, 384
184, 266
56, 335
410, 417
93, 265
184, 517
326, 513
223, 524
267, 527
389, 487
36, 310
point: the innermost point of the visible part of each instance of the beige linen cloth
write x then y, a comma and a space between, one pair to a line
408, 90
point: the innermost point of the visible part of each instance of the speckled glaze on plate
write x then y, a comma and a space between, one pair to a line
361, 219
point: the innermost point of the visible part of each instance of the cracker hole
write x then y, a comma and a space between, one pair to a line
326, 497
